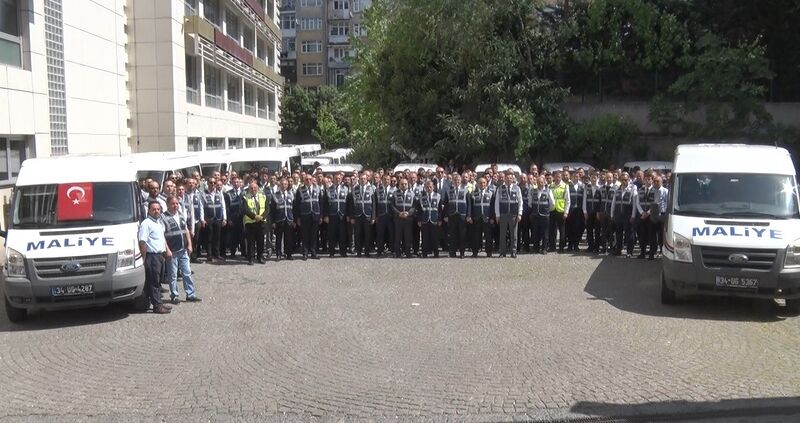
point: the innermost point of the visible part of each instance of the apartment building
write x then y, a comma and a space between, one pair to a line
317, 39
204, 74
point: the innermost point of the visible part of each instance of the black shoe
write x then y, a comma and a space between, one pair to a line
250, 262
314, 256
358, 254
262, 261
436, 255
210, 259
366, 255
194, 260
502, 255
289, 257
174, 300
640, 256
331, 255
651, 257
194, 299
513, 255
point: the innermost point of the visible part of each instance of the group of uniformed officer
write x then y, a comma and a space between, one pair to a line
418, 213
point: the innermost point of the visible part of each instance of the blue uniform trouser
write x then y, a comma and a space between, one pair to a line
180, 260
153, 266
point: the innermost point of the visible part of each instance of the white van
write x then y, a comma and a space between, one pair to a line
733, 226
72, 236
249, 159
159, 166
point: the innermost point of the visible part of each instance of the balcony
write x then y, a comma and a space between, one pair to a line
339, 39
199, 26
339, 14
334, 63
250, 110
234, 106
214, 101
268, 72
262, 113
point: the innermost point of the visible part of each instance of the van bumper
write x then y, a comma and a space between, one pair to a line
121, 286
695, 279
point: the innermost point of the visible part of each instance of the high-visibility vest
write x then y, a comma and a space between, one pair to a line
251, 201
559, 194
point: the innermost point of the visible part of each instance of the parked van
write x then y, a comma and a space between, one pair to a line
72, 236
571, 166
733, 226
502, 167
645, 165
159, 166
272, 158
308, 163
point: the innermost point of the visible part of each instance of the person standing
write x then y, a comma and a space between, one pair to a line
456, 204
179, 242
647, 209
335, 209
362, 205
481, 218
430, 205
558, 216
575, 220
283, 220
216, 217
591, 207
541, 203
153, 248
662, 195
623, 214
308, 214
403, 208
233, 232
195, 203
508, 209
384, 229
256, 210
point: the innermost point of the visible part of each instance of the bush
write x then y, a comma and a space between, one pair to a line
600, 138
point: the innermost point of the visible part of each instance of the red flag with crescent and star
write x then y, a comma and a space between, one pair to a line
75, 201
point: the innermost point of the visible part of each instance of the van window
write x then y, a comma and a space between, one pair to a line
735, 195
294, 163
35, 206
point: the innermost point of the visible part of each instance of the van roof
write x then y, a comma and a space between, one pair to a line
71, 169
163, 160
732, 158
502, 167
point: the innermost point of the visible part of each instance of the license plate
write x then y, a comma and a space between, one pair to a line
71, 290
737, 282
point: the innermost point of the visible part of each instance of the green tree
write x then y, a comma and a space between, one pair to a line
298, 111
329, 132
601, 138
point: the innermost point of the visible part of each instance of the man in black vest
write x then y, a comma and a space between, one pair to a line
308, 214
481, 218
335, 211
430, 205
404, 209
362, 205
456, 204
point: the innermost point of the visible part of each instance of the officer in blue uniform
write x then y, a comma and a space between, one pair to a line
335, 210
508, 209
592, 200
430, 206
404, 207
308, 214
283, 220
457, 206
362, 205
647, 209
481, 218
233, 233
623, 214
575, 223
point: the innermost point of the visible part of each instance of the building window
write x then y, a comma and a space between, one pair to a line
310, 3
337, 77
359, 30
211, 11
341, 5
250, 143
215, 143
341, 53
213, 82
234, 94
261, 104
192, 80
310, 24
234, 143
287, 4
10, 39
312, 69
273, 142
312, 47
263, 142
249, 38
12, 154
194, 144
289, 44
288, 20
340, 28
357, 6
271, 105
249, 100
232, 24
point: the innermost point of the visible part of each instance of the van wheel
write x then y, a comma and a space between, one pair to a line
668, 296
15, 314
142, 302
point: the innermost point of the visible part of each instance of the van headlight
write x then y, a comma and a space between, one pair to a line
683, 248
792, 254
125, 259
15, 264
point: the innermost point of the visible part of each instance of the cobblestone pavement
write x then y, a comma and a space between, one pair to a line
439, 339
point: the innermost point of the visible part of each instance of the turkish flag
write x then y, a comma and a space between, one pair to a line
75, 201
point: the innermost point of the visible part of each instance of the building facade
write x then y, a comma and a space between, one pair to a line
317, 39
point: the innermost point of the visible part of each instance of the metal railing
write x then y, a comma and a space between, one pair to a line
234, 106
249, 110
192, 95
262, 113
271, 115
214, 101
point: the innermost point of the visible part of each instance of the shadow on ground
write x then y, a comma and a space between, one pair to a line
755, 408
43, 320
634, 285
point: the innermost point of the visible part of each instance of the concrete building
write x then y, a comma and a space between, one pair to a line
316, 39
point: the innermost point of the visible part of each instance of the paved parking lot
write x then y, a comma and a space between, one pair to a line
500, 339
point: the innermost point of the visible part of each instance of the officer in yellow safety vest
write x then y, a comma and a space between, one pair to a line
558, 215
256, 210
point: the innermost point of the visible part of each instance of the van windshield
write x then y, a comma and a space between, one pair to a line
256, 166
734, 195
37, 206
